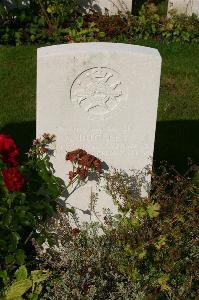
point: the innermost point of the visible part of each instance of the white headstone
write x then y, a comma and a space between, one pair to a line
112, 6
187, 7
102, 98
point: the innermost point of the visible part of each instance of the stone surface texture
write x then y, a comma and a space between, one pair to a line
112, 6
187, 7
103, 98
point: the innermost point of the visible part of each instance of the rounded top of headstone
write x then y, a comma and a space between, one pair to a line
97, 46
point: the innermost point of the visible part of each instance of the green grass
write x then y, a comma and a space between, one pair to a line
177, 134
18, 93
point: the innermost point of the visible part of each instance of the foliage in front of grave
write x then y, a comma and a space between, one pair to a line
28, 195
58, 21
148, 250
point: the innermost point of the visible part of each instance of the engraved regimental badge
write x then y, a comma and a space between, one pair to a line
97, 91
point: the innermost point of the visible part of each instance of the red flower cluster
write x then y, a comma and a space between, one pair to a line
9, 152
75, 155
84, 161
13, 179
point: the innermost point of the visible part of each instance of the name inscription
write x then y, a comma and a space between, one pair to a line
100, 142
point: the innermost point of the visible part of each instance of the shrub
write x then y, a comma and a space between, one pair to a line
30, 194
59, 21
147, 251
39, 22
29, 285
27, 195
148, 25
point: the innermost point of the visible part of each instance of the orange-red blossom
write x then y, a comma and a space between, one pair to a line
84, 161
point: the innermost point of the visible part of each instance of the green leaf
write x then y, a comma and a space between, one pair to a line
142, 254
33, 297
195, 178
4, 276
140, 212
20, 256
7, 218
21, 273
101, 34
3, 210
153, 210
15, 237
2, 164
49, 9
18, 289
39, 275
163, 282
9, 259
135, 222
161, 242
3, 244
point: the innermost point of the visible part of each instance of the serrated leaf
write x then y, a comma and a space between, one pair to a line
21, 273
140, 212
39, 275
18, 289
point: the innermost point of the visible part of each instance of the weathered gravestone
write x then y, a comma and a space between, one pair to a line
187, 7
100, 97
110, 6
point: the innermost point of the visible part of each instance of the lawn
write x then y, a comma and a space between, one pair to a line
177, 134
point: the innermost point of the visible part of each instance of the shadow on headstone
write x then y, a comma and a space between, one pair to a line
175, 141
89, 5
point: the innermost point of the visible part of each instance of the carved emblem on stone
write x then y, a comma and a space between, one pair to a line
97, 91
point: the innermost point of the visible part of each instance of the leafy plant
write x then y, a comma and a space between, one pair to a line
38, 22
83, 34
148, 24
56, 12
148, 250
27, 195
58, 21
26, 285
